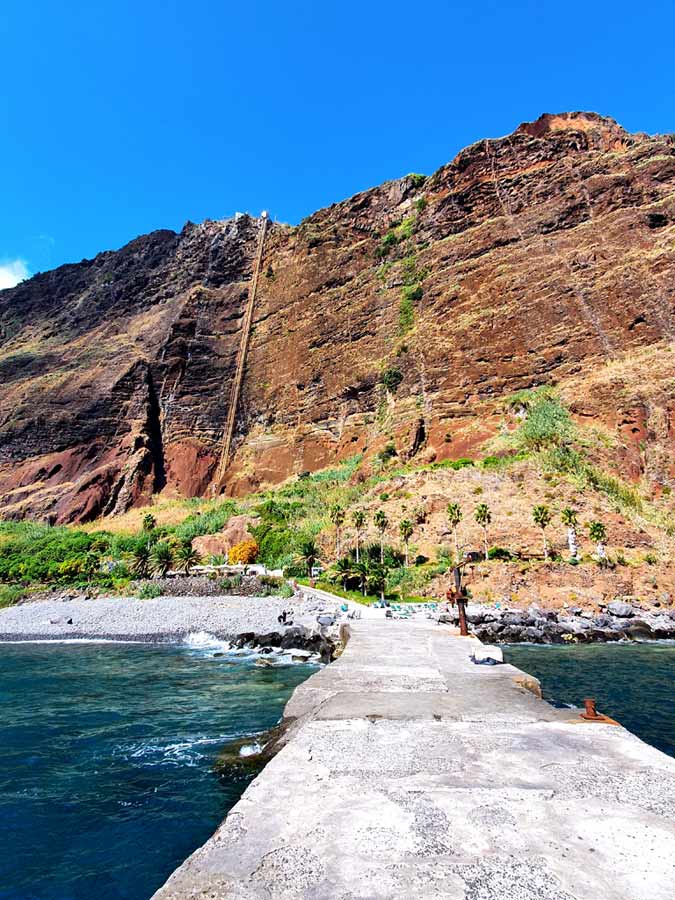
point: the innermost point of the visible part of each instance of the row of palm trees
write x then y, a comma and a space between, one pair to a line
157, 558
542, 517
366, 566
597, 531
338, 517
370, 573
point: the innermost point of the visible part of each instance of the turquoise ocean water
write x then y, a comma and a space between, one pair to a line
107, 777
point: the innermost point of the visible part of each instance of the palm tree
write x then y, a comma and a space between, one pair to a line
149, 522
542, 517
342, 570
337, 517
381, 523
141, 564
569, 518
406, 529
483, 516
187, 557
377, 580
454, 518
307, 555
360, 570
598, 534
359, 519
161, 558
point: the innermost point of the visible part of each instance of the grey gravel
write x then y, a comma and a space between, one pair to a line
162, 618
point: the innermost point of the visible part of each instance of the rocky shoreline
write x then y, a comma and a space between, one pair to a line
616, 621
245, 622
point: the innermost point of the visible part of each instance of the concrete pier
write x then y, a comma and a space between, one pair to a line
410, 772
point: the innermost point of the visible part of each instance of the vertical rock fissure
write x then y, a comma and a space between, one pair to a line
155, 439
241, 358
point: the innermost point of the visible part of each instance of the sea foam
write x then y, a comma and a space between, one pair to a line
204, 640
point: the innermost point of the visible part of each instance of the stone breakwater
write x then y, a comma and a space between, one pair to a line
408, 771
616, 622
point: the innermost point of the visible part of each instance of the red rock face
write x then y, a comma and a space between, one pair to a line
533, 258
632, 427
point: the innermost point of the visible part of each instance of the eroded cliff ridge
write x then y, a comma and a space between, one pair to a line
403, 315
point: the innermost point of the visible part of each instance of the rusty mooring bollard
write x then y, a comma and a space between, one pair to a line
590, 710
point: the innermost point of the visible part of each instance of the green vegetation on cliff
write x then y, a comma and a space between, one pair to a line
376, 527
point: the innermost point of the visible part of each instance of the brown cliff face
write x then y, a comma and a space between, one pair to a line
538, 257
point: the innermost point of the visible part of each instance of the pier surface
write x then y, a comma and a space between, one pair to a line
410, 772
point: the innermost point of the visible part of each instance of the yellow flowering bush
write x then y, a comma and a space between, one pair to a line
243, 553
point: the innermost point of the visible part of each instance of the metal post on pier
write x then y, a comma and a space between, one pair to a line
458, 595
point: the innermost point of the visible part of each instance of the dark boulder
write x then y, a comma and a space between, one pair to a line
663, 627
638, 628
478, 615
533, 635
514, 617
512, 633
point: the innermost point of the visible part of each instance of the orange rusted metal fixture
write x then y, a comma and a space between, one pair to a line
458, 596
591, 714
590, 710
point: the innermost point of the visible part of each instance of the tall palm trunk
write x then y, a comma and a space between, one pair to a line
406, 554
572, 542
485, 542
543, 534
357, 547
456, 544
382, 549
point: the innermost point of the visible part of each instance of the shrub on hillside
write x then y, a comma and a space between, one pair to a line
388, 452
276, 542
391, 379
416, 179
500, 553
243, 553
406, 316
548, 424
10, 594
455, 464
208, 521
149, 591
41, 553
412, 292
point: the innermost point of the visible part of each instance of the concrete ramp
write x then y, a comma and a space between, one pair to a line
410, 772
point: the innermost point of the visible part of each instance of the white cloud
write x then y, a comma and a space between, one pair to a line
12, 271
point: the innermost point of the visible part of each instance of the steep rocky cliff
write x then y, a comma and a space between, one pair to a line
402, 315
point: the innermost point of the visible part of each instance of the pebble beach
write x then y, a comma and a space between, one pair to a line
163, 618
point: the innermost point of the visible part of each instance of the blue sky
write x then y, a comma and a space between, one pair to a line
117, 118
